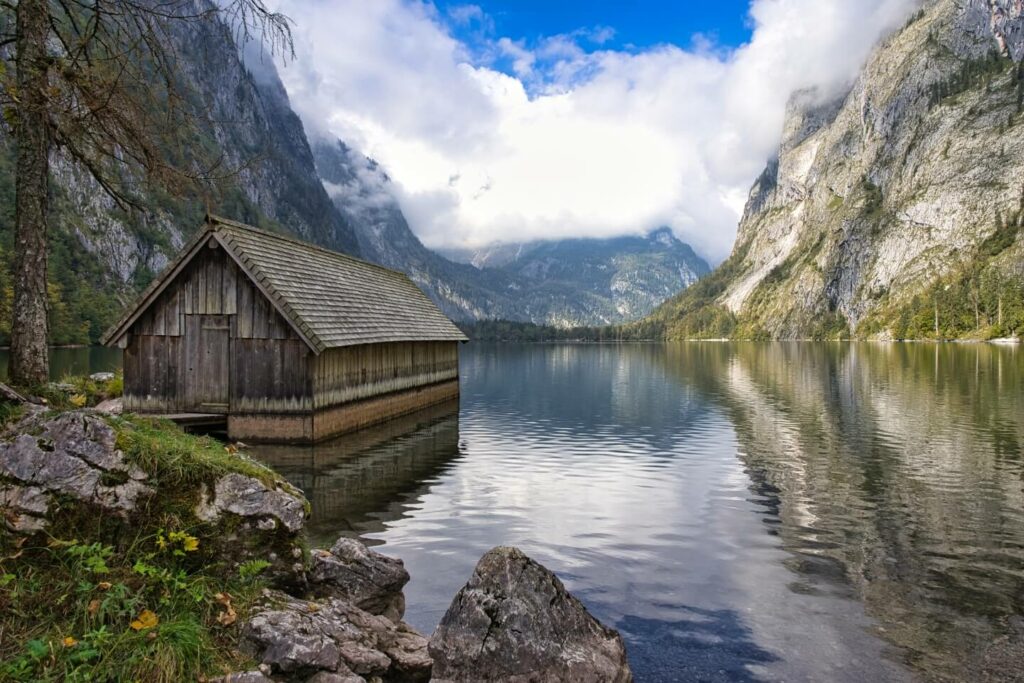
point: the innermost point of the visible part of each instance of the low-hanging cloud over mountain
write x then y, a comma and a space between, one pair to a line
494, 138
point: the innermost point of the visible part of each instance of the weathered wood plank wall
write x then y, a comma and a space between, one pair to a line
176, 361
357, 372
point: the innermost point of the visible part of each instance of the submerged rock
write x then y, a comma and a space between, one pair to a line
514, 621
333, 640
73, 454
369, 580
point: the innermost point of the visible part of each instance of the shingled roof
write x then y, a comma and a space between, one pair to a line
330, 299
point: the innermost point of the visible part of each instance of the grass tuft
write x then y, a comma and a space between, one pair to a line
174, 458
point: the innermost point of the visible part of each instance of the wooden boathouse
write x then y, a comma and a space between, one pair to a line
282, 340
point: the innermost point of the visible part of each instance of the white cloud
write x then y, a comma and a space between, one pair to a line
579, 142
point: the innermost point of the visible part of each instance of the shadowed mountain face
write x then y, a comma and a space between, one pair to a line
565, 283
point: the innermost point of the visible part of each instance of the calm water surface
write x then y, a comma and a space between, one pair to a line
740, 512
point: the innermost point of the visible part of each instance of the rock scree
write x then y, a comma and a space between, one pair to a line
514, 621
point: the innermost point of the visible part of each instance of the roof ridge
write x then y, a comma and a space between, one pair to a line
212, 220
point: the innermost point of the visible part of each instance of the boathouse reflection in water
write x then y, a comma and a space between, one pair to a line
359, 482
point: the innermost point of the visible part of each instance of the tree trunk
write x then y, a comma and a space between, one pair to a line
29, 365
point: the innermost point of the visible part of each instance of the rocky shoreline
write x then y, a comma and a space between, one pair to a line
324, 615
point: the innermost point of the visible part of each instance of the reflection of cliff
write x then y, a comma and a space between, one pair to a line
361, 481
898, 466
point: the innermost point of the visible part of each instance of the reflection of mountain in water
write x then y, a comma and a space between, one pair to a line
579, 388
897, 469
361, 481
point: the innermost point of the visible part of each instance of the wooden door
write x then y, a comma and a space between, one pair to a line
207, 373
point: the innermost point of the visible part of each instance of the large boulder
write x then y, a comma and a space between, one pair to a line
356, 574
70, 455
333, 640
515, 622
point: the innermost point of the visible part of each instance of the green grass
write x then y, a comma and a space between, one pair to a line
73, 599
174, 458
74, 611
81, 391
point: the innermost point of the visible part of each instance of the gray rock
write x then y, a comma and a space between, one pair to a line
73, 454
112, 406
515, 622
249, 497
297, 638
335, 677
24, 508
101, 376
369, 580
244, 677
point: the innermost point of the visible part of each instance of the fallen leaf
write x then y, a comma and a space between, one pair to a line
147, 619
228, 616
313, 607
94, 607
70, 642
78, 400
151, 635
103, 585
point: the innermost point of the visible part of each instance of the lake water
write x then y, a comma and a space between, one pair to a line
81, 360
740, 512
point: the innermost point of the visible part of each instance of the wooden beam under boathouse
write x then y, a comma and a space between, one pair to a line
283, 340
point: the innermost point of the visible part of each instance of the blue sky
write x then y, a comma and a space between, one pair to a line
637, 24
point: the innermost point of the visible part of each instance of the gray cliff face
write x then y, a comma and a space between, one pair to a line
876, 194
565, 283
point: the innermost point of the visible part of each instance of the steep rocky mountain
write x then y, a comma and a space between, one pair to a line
562, 283
895, 208
361, 194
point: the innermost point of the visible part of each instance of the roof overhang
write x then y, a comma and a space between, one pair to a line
206, 236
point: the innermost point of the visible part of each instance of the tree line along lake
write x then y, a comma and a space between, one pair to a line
739, 511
